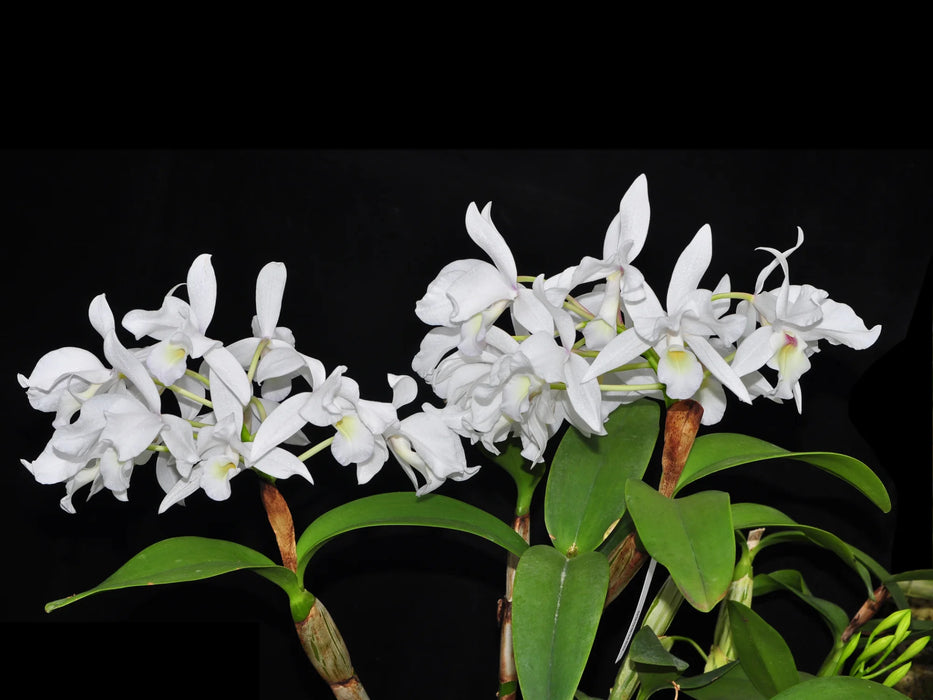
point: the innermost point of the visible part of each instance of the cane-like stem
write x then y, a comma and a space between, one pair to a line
680, 429
318, 633
508, 676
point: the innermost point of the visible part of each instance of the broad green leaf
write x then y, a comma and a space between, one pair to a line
846, 687
585, 492
751, 515
763, 653
405, 508
556, 606
791, 580
191, 559
692, 537
733, 684
717, 451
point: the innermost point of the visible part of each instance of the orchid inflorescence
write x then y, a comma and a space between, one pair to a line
582, 342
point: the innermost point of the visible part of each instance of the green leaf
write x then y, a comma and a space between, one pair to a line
751, 515
194, 558
692, 537
731, 685
791, 580
846, 687
763, 653
655, 665
585, 492
717, 451
405, 508
556, 606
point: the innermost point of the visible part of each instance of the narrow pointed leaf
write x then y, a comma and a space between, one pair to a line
847, 687
751, 515
405, 508
791, 580
692, 537
763, 653
586, 484
717, 451
731, 685
191, 559
556, 606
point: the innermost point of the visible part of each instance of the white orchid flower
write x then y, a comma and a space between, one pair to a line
500, 394
622, 243
180, 328
793, 319
424, 444
279, 362
111, 434
470, 295
211, 458
681, 335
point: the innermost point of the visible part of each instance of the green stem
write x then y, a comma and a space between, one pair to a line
745, 296
630, 387
189, 395
659, 617
250, 373
324, 444
200, 377
740, 590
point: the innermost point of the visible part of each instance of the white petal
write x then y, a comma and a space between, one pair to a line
130, 431
129, 366
180, 491
167, 360
690, 267
628, 230
49, 468
226, 405
476, 290
404, 389
100, 315
484, 233
280, 361
434, 308
754, 351
279, 425
270, 287
354, 442
216, 473
368, 468
841, 325
435, 344
178, 436
202, 290
226, 367
282, 464
585, 396
531, 311
624, 348
714, 362
680, 372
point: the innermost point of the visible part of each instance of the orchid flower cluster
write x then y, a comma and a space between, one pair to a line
235, 406
527, 382
109, 420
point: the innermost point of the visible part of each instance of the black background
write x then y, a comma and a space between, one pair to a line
362, 232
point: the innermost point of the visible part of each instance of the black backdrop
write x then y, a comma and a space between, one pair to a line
362, 232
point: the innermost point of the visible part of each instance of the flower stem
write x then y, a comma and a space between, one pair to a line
322, 445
